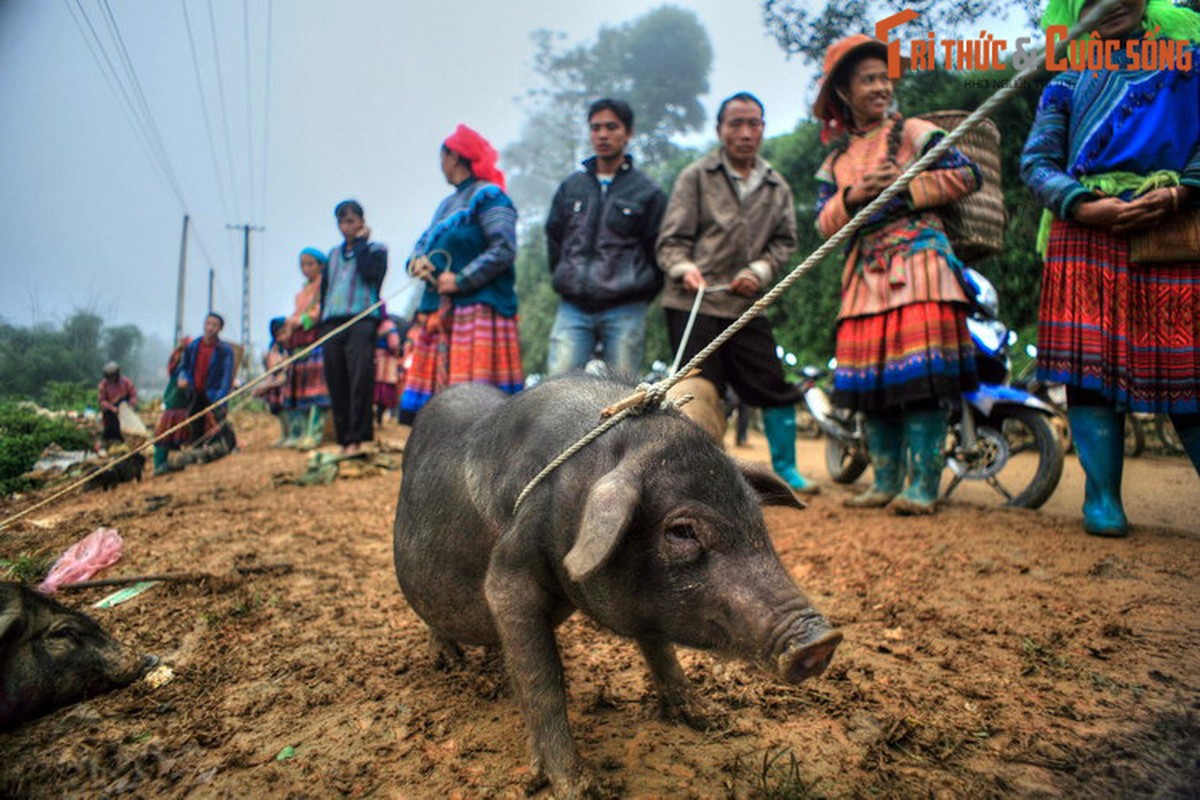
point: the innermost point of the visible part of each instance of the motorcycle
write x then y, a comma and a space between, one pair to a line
990, 430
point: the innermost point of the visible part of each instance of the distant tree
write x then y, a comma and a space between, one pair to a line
123, 344
806, 29
537, 298
49, 365
659, 63
81, 333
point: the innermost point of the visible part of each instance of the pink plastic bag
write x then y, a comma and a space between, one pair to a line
99, 549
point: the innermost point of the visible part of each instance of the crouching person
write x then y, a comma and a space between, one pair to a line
207, 372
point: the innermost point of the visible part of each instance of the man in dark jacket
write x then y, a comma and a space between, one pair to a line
206, 372
600, 238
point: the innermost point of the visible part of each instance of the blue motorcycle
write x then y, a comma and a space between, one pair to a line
999, 435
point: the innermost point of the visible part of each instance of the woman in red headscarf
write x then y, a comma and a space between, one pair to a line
902, 342
468, 313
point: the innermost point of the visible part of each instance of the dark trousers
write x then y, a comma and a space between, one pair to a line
747, 362
112, 427
350, 377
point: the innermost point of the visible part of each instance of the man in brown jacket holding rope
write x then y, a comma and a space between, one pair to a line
728, 231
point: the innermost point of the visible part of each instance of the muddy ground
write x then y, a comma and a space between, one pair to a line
988, 653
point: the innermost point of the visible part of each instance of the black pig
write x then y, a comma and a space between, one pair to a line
650, 530
52, 656
128, 470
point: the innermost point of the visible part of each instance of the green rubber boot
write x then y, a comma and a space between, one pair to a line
295, 427
885, 443
779, 423
314, 430
1099, 436
161, 466
285, 428
925, 431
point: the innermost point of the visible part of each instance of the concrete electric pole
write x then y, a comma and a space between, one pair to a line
245, 229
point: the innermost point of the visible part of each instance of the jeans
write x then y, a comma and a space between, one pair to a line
621, 330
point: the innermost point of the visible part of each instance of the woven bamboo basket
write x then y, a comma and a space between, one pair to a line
975, 224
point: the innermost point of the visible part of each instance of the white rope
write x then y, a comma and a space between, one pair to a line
1000, 96
687, 331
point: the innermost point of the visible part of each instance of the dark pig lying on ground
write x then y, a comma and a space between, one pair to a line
52, 656
128, 470
650, 530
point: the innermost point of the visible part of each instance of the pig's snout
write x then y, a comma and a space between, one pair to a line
807, 660
149, 662
802, 645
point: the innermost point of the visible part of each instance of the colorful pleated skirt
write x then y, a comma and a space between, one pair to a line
464, 344
170, 417
1128, 331
306, 379
907, 355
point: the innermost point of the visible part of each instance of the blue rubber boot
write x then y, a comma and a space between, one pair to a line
1189, 434
1099, 436
779, 423
925, 430
885, 443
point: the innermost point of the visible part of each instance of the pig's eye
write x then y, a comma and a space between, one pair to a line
682, 533
63, 634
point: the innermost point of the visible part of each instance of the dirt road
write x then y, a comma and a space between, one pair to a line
988, 653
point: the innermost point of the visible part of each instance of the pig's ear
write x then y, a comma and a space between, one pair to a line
9, 619
609, 509
770, 488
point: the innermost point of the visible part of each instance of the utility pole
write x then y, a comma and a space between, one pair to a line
182, 277
210, 291
245, 229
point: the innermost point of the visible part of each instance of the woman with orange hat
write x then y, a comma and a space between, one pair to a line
468, 313
902, 343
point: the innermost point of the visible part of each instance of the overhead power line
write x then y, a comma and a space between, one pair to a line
115, 63
212, 23
266, 110
218, 173
249, 112
136, 114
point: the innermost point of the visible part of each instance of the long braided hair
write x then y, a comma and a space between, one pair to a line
893, 140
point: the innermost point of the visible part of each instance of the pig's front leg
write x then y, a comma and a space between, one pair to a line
677, 699
525, 614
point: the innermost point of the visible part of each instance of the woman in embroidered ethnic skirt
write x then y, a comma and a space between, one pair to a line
1112, 153
273, 390
389, 376
307, 398
902, 343
467, 316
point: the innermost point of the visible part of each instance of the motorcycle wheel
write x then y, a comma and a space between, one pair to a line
806, 424
1165, 429
844, 460
1135, 436
1022, 424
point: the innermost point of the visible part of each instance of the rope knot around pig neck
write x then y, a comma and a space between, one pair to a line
646, 397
